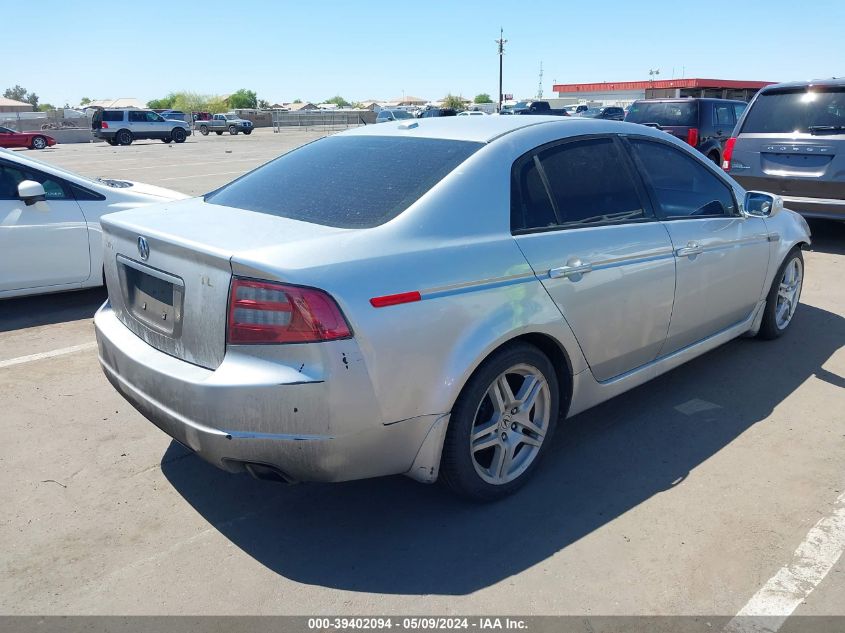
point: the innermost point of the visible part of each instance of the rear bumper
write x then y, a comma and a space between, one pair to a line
816, 207
254, 411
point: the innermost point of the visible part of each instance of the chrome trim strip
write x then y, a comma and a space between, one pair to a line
471, 286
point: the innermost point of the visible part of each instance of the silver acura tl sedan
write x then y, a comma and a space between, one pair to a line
432, 297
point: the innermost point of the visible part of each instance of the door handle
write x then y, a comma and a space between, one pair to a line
573, 270
690, 250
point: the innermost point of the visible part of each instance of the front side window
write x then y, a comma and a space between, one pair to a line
11, 176
575, 184
341, 181
152, 117
682, 186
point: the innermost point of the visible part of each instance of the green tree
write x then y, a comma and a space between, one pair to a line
453, 101
19, 93
165, 103
243, 98
482, 98
84, 101
46, 107
339, 101
297, 101
216, 105
264, 104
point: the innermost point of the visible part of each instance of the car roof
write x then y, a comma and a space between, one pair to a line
833, 82
489, 128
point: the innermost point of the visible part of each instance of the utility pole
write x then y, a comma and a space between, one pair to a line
540, 85
501, 42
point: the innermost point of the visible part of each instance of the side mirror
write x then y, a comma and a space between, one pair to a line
762, 205
31, 192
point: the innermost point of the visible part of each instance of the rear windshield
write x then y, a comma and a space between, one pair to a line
346, 181
664, 113
804, 110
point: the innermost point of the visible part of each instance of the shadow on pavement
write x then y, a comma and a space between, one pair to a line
17, 314
396, 536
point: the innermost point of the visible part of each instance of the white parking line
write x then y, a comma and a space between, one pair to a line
56, 352
769, 608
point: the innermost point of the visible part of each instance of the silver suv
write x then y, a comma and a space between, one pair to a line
122, 126
791, 141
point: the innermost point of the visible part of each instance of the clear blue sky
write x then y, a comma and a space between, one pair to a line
315, 49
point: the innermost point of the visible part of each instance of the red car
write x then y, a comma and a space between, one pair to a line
33, 140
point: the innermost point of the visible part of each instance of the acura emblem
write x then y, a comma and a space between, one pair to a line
143, 248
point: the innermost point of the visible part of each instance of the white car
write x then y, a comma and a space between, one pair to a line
50, 237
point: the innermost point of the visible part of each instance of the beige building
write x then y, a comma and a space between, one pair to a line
10, 105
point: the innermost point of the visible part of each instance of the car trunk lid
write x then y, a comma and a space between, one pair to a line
168, 270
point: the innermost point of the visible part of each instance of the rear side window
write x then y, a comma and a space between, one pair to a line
804, 110
346, 181
724, 114
683, 187
664, 113
580, 183
112, 115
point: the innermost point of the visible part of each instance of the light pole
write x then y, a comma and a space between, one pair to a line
501, 42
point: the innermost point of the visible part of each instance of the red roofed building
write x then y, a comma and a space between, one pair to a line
624, 92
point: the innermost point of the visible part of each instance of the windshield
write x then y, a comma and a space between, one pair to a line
664, 113
591, 112
402, 114
803, 110
230, 117
346, 181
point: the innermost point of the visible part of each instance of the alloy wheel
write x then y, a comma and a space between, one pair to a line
510, 424
789, 291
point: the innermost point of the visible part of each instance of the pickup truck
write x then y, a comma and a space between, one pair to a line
538, 107
220, 123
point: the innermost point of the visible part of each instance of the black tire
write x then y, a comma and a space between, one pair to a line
219, 133
204, 130
179, 135
38, 142
167, 139
714, 156
458, 464
233, 130
248, 132
123, 137
111, 142
772, 327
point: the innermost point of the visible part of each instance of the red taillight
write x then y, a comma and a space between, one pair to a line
394, 300
104, 125
268, 312
728, 154
692, 136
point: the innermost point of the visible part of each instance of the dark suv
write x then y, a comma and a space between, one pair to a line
610, 113
706, 124
437, 112
791, 141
